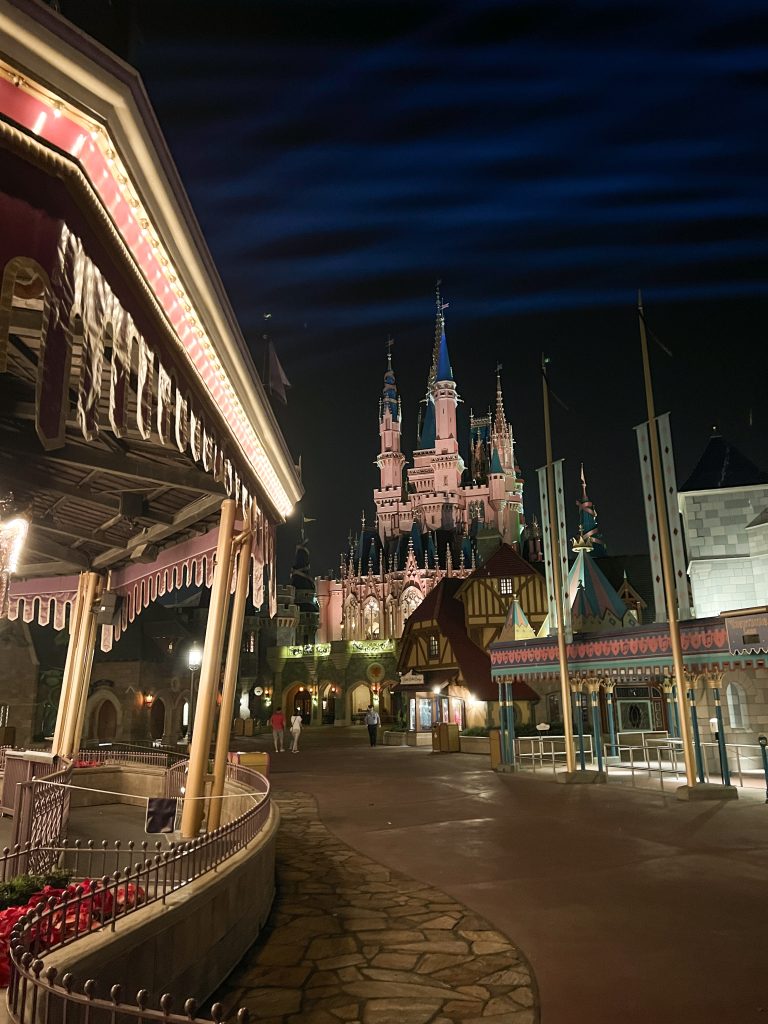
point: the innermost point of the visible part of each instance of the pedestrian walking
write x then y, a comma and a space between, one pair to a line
277, 721
295, 731
373, 721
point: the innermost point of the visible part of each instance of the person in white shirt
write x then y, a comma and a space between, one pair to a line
373, 721
295, 731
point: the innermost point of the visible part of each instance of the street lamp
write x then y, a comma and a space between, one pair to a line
13, 533
194, 660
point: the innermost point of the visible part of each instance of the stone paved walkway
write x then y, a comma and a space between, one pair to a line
351, 941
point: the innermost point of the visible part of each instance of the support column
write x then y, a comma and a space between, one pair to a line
510, 702
724, 770
611, 710
576, 705
696, 735
78, 667
62, 713
84, 684
597, 739
230, 682
192, 815
671, 710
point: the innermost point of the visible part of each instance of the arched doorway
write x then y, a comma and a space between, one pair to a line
329, 704
105, 721
301, 701
359, 699
157, 719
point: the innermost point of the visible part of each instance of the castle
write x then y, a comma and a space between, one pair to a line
437, 517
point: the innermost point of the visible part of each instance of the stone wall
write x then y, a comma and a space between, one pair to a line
188, 945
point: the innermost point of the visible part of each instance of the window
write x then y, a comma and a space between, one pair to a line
506, 587
737, 706
434, 646
4, 710
554, 714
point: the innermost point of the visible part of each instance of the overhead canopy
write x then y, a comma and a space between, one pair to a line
129, 405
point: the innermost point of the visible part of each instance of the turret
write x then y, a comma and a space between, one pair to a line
390, 459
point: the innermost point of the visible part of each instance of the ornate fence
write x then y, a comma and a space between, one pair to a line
38, 996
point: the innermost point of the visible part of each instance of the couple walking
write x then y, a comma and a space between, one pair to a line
277, 721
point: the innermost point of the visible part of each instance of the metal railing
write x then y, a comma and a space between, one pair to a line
35, 996
537, 752
40, 817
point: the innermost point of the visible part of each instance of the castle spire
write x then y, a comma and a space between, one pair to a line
588, 527
390, 400
500, 420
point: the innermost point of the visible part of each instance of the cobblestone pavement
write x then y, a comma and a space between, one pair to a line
350, 941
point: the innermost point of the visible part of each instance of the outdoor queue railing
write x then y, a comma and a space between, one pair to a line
60, 921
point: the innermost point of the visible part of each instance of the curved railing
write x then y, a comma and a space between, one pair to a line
60, 921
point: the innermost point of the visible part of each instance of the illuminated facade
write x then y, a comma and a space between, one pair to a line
436, 518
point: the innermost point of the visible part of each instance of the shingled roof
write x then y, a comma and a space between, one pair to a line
722, 465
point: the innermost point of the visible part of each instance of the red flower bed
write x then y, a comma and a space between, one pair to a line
74, 915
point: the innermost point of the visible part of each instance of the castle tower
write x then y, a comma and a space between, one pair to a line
435, 478
504, 486
390, 459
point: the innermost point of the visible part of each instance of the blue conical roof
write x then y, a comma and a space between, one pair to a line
496, 462
444, 371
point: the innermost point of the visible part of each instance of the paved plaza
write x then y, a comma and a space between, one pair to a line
627, 904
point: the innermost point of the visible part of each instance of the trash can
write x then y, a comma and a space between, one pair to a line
449, 738
436, 748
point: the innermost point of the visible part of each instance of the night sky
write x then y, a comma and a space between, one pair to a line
544, 160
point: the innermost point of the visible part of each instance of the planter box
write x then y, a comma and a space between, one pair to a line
394, 739
475, 745
418, 739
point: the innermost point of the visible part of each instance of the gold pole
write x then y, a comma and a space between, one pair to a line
230, 682
192, 815
80, 669
565, 686
85, 683
62, 713
666, 558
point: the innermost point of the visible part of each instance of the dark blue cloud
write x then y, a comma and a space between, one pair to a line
544, 159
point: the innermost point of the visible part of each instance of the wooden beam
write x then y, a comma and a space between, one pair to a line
44, 546
199, 509
60, 530
29, 569
126, 465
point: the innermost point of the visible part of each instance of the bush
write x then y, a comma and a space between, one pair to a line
475, 730
17, 891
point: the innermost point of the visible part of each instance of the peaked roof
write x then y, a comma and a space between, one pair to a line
589, 592
444, 371
504, 562
722, 465
517, 626
496, 462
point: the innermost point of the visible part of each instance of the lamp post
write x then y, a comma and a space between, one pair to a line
13, 532
194, 660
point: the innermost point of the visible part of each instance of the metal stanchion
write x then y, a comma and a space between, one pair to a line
763, 741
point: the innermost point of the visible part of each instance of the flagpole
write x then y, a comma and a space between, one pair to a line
666, 557
565, 686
